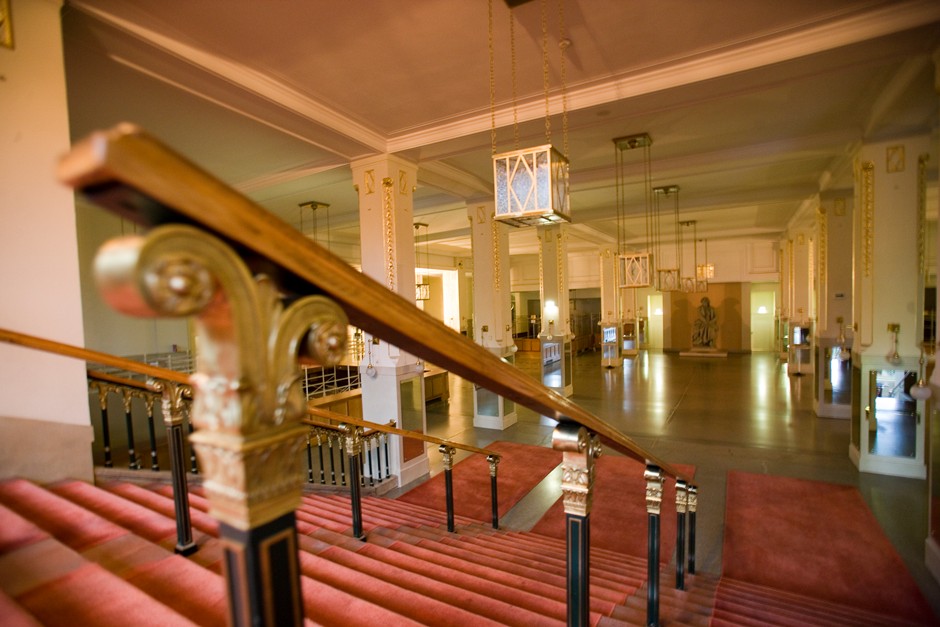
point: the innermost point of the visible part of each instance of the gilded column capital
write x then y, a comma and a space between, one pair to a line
693, 498
654, 489
447, 455
493, 462
579, 449
248, 401
682, 497
173, 397
352, 439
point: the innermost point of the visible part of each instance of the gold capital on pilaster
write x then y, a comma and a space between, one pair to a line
693, 498
247, 401
682, 497
580, 450
494, 462
353, 439
447, 455
654, 489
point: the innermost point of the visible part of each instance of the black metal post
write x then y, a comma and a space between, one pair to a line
693, 505
447, 453
353, 448
580, 449
133, 463
103, 391
329, 445
172, 406
154, 461
322, 466
193, 466
682, 504
494, 462
309, 460
654, 498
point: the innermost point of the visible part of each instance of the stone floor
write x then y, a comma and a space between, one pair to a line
742, 412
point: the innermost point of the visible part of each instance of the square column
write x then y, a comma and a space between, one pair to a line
610, 310
392, 379
555, 335
492, 316
888, 423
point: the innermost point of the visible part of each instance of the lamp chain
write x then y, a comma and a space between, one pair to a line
563, 44
512, 56
492, 78
545, 78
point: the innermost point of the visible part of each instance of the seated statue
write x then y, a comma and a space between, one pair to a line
705, 330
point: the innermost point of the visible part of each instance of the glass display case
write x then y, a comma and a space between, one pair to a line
610, 346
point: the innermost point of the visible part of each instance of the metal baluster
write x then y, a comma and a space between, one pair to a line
329, 444
193, 467
133, 463
371, 447
693, 504
682, 504
353, 446
341, 441
447, 453
654, 499
309, 460
580, 450
388, 473
103, 391
154, 461
494, 462
320, 453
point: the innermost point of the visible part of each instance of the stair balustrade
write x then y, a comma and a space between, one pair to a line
250, 308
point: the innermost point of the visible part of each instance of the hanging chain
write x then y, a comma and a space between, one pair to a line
563, 44
512, 54
492, 79
545, 79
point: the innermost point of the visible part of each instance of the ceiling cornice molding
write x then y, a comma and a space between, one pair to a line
244, 78
450, 179
878, 22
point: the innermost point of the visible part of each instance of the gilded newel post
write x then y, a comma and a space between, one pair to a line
580, 450
247, 402
654, 501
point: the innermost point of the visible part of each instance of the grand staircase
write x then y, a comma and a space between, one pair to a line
76, 554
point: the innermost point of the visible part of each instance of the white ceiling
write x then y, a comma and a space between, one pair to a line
754, 106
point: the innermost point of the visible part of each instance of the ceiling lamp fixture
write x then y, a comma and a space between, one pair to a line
315, 207
667, 272
696, 280
422, 284
636, 268
531, 185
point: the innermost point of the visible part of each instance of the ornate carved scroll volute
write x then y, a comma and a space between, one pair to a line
248, 402
580, 450
654, 489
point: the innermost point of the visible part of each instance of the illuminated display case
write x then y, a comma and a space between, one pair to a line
610, 346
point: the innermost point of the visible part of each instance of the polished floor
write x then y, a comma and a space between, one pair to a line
742, 412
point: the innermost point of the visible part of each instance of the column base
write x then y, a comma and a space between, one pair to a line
495, 422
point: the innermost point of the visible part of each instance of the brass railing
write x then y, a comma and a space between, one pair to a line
131, 174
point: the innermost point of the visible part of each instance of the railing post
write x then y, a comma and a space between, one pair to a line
103, 391
447, 454
654, 499
172, 395
693, 504
494, 462
580, 450
353, 448
309, 459
682, 504
133, 463
154, 460
247, 405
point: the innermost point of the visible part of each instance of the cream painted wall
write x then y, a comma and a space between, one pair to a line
39, 275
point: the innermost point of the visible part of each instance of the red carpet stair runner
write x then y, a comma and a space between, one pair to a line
76, 554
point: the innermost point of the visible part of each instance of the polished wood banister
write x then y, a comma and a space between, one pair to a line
134, 175
88, 355
323, 413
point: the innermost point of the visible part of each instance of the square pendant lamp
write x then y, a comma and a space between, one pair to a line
531, 186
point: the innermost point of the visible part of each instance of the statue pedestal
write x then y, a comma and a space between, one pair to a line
703, 351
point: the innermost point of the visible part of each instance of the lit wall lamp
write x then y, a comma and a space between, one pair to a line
921, 391
551, 314
893, 357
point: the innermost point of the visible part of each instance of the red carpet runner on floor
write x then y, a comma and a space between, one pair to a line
618, 517
817, 539
521, 468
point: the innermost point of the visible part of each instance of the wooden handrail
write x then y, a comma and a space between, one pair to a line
88, 355
329, 415
132, 174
